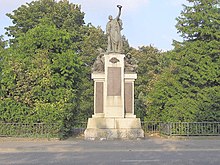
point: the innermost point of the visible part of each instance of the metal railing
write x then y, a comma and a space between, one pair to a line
151, 126
190, 128
28, 130
169, 129
37, 129
79, 128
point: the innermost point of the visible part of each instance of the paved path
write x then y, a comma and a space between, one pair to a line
152, 151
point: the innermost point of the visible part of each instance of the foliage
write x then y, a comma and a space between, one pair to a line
200, 21
38, 82
63, 14
2, 51
45, 76
209, 104
150, 64
2, 42
188, 88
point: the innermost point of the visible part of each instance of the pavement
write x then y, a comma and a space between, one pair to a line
152, 151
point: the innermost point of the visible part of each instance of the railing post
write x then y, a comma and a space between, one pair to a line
170, 129
188, 124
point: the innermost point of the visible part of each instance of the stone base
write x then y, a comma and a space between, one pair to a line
110, 134
113, 128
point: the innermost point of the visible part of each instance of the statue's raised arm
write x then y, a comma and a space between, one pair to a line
119, 13
113, 31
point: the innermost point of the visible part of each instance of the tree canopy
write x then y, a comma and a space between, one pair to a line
63, 14
45, 76
188, 89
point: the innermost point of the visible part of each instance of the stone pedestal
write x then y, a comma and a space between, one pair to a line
114, 103
113, 128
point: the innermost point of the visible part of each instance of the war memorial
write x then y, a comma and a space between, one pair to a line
114, 74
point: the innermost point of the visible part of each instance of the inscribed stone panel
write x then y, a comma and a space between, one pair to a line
99, 97
128, 97
114, 81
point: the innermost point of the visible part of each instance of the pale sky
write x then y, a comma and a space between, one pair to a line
145, 22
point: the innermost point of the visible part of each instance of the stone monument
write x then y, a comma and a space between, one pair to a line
114, 74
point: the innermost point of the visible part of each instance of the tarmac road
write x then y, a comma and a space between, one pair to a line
151, 151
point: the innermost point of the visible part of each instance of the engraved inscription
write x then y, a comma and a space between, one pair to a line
128, 98
114, 81
99, 97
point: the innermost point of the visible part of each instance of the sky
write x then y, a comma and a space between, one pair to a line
145, 22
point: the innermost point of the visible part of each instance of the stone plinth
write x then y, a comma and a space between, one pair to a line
114, 103
114, 128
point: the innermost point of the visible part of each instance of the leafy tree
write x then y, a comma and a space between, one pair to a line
2, 42
188, 88
209, 104
168, 100
41, 80
201, 57
200, 21
149, 67
46, 70
63, 14
2, 50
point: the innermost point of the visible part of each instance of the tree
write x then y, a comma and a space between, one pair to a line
2, 42
2, 50
149, 67
200, 27
46, 69
41, 79
200, 21
63, 14
189, 86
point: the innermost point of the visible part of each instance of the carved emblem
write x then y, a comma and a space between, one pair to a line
114, 60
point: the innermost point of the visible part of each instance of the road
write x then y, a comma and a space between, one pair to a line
151, 151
